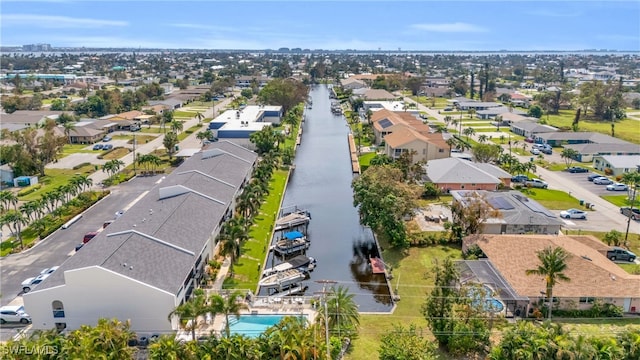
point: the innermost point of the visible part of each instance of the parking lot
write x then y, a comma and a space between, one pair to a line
581, 180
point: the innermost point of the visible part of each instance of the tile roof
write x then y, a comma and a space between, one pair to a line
591, 273
159, 237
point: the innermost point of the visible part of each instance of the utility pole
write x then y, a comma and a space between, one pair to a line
134, 153
326, 315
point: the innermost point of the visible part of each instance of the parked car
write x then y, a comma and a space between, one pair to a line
617, 187
107, 223
537, 146
529, 140
88, 236
536, 183
49, 270
535, 151
30, 283
617, 253
107, 147
107, 138
626, 211
602, 180
79, 246
577, 169
593, 176
573, 214
547, 150
98, 147
14, 314
519, 178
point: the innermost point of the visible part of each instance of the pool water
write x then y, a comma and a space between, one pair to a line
489, 303
253, 325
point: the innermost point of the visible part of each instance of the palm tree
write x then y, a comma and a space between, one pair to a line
15, 221
8, 198
83, 181
167, 118
204, 135
232, 235
170, 141
451, 142
553, 263
468, 132
177, 126
632, 179
68, 128
482, 138
227, 306
168, 347
342, 312
199, 116
188, 313
112, 167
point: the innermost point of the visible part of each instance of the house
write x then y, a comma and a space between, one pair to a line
459, 174
517, 213
491, 113
376, 105
238, 125
580, 137
477, 105
431, 91
374, 94
530, 128
386, 121
247, 81
170, 103
407, 140
616, 164
149, 260
352, 84
592, 275
22, 119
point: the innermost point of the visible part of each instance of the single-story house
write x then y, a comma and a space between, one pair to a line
374, 94
477, 105
518, 213
617, 164
435, 91
352, 84
405, 139
495, 111
579, 137
169, 103
27, 118
245, 81
592, 276
238, 125
587, 152
458, 174
149, 260
530, 128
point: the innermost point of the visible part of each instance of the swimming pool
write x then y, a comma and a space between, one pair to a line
489, 303
254, 325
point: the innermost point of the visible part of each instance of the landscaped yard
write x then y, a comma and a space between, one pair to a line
552, 199
620, 200
249, 266
54, 178
69, 149
116, 153
412, 280
184, 114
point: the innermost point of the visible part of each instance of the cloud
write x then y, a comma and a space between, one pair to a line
457, 27
57, 22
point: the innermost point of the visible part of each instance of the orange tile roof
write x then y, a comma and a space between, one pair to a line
591, 273
403, 135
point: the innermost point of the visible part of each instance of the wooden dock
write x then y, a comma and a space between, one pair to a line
377, 266
355, 164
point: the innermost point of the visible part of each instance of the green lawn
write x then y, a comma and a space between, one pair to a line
552, 199
620, 200
626, 129
412, 281
247, 269
69, 149
54, 178
184, 114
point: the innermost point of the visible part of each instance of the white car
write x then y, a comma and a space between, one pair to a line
32, 282
573, 214
49, 270
602, 180
536, 183
535, 151
14, 314
617, 187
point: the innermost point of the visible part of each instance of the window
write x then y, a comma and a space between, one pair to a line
58, 309
587, 300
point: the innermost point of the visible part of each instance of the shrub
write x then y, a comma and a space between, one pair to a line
81, 165
29, 190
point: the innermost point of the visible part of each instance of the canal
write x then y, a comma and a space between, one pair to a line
321, 184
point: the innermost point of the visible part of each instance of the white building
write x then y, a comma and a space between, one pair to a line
149, 260
238, 125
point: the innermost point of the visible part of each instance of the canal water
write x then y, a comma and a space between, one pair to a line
321, 184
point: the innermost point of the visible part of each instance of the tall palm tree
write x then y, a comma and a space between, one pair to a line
15, 221
188, 313
7, 198
228, 305
482, 138
342, 311
199, 116
553, 263
68, 128
468, 132
177, 126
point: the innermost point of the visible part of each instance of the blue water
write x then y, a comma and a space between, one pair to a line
253, 325
489, 304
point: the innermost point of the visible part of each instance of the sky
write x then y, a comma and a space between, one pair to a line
422, 25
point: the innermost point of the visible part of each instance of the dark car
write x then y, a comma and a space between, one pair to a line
577, 169
107, 147
547, 150
593, 176
98, 147
88, 236
635, 213
520, 178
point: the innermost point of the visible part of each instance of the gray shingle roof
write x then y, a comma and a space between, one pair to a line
454, 170
182, 224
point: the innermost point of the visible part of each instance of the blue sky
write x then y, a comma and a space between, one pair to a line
362, 25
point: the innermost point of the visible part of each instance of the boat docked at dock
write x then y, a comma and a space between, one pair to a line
292, 220
282, 279
293, 242
300, 262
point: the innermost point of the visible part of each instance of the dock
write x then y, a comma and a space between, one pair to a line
355, 163
292, 220
377, 266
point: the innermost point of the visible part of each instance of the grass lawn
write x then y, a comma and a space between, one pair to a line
247, 269
631, 268
69, 149
412, 280
116, 153
596, 327
140, 139
552, 199
626, 129
54, 178
184, 114
619, 200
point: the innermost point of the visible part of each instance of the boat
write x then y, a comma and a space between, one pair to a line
292, 220
293, 289
292, 242
282, 279
300, 262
